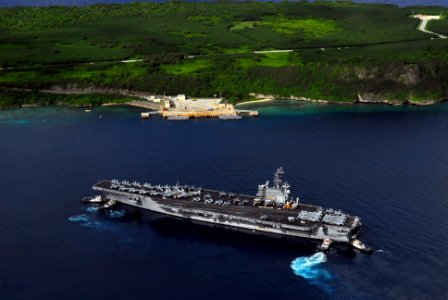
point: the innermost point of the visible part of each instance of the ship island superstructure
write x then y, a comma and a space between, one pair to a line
272, 210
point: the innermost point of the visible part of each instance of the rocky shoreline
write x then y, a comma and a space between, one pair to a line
368, 98
143, 99
140, 99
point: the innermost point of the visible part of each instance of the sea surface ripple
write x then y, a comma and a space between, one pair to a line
388, 165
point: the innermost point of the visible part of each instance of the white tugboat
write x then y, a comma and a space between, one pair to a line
326, 244
94, 200
358, 245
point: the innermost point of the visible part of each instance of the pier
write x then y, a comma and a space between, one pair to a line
247, 113
182, 107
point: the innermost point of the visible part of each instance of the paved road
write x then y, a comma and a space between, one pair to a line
272, 51
422, 27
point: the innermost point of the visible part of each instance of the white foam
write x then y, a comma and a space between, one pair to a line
382, 251
79, 218
92, 222
116, 213
92, 209
309, 267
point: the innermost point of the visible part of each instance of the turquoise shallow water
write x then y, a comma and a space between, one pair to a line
389, 165
297, 108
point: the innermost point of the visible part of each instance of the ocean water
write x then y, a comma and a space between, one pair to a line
388, 165
89, 2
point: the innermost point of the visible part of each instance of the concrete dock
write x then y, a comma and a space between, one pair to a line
182, 107
247, 113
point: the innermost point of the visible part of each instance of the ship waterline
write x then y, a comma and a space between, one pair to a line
272, 211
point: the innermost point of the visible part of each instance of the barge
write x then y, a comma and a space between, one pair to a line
272, 210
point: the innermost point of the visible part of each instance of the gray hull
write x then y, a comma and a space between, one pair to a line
244, 218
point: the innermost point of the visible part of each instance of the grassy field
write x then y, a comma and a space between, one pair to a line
307, 28
187, 67
206, 48
439, 26
274, 60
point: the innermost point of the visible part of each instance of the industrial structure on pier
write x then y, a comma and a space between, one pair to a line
182, 107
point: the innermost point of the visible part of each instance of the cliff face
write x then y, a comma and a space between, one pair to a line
404, 83
391, 83
400, 74
345, 82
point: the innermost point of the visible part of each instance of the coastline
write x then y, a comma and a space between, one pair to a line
141, 99
76, 98
135, 103
130, 103
303, 99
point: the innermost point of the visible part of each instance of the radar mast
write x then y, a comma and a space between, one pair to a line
278, 181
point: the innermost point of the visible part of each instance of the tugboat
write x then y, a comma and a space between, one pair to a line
325, 245
358, 245
271, 211
100, 201
94, 200
108, 204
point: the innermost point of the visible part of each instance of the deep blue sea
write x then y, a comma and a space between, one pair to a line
388, 165
88, 2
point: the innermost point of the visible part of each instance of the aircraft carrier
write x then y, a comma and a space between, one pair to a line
272, 210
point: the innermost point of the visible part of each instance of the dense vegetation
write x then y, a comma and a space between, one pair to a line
341, 50
13, 98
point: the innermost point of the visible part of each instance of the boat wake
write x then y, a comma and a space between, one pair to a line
382, 251
92, 209
90, 219
309, 267
79, 218
115, 213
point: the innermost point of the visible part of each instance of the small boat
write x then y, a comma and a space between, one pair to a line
145, 115
177, 118
325, 244
358, 245
87, 110
94, 200
229, 117
108, 204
